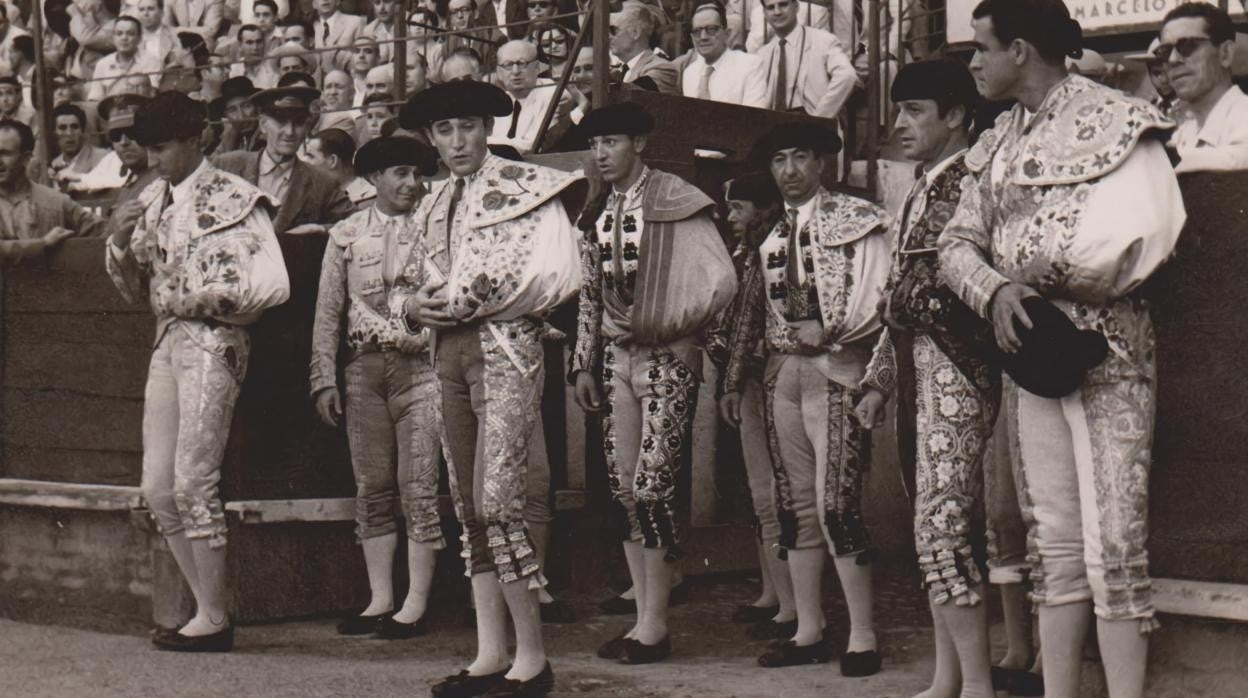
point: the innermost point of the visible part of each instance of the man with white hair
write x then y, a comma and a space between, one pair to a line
517, 75
462, 64
630, 42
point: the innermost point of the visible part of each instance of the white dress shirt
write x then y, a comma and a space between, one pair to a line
819, 76
1221, 142
532, 110
738, 78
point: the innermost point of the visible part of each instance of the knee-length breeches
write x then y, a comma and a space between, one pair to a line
193, 381
756, 452
394, 428
954, 423
823, 455
650, 399
491, 378
1082, 470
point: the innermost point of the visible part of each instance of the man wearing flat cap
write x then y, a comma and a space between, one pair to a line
656, 274
1045, 217
754, 207
823, 268
948, 359
390, 396
203, 254
309, 201
494, 252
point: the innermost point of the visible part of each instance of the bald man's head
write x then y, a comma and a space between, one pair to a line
338, 90
380, 80
517, 67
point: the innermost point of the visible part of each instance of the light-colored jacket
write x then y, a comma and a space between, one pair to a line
822, 78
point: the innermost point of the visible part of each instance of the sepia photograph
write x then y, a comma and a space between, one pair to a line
623, 348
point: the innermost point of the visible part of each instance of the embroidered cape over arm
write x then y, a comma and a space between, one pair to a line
331, 302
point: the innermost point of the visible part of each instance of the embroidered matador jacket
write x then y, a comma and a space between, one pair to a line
509, 257
845, 253
362, 261
916, 299
676, 275
737, 322
203, 250
514, 253
1078, 202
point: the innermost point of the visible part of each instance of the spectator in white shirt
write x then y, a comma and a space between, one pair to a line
8, 32
420, 24
717, 72
807, 69
255, 65
761, 31
1198, 49
247, 15
203, 17
22, 67
158, 39
13, 107
517, 75
77, 156
362, 61
382, 29
335, 29
110, 71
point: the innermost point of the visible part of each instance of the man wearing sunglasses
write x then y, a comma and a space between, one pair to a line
1197, 48
126, 167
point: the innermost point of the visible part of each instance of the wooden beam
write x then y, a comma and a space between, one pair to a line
269, 511
69, 495
1207, 599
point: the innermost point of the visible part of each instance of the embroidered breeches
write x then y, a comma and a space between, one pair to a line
648, 420
394, 427
756, 452
1083, 464
954, 423
192, 384
491, 394
823, 457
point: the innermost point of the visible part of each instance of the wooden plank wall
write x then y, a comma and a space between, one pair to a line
74, 359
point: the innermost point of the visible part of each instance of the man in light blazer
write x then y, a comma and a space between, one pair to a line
335, 29
807, 69
630, 43
204, 17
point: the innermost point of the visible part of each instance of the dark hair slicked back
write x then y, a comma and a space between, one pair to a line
1217, 22
1045, 24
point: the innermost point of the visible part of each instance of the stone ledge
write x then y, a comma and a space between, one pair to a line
69, 495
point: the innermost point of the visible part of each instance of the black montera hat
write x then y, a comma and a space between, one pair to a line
941, 79
759, 188
169, 116
820, 139
393, 151
1056, 355
623, 118
454, 100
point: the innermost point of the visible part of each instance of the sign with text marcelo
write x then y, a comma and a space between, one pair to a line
1096, 16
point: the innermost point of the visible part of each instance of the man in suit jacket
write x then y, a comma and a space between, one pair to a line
309, 200
204, 17
807, 68
335, 29
631, 44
